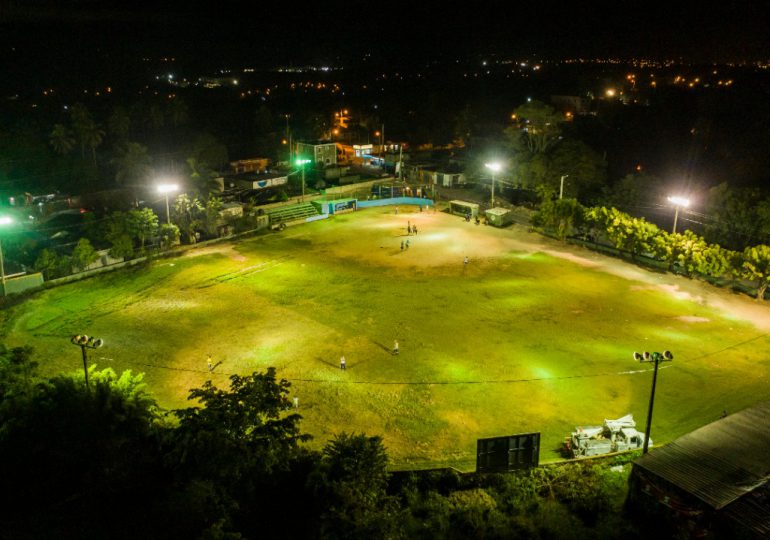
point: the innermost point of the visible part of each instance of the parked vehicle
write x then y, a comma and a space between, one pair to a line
614, 436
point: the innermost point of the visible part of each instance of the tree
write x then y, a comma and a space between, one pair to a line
86, 456
61, 139
542, 126
756, 267
587, 170
235, 433
119, 236
178, 111
83, 255
169, 235
737, 218
119, 123
202, 178
632, 191
156, 116
132, 164
186, 214
87, 131
209, 152
351, 482
213, 207
561, 215
47, 263
141, 224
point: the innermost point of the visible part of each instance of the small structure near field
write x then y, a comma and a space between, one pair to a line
713, 482
499, 217
338, 206
462, 208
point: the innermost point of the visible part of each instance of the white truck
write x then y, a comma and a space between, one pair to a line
614, 436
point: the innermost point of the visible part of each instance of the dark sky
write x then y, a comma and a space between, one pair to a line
302, 31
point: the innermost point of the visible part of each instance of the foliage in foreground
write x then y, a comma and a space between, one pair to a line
79, 461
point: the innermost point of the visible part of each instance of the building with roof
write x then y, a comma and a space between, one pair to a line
711, 483
322, 153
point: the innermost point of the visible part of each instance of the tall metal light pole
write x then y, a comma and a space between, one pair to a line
656, 358
4, 220
494, 167
678, 202
301, 163
85, 342
166, 189
561, 185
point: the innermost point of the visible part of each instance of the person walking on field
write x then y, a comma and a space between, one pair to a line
414, 229
209, 364
342, 363
408, 227
466, 260
402, 245
395, 347
407, 244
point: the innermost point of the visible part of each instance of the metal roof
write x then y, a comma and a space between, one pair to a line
720, 462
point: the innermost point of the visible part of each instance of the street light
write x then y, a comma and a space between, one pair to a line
4, 220
166, 189
301, 164
495, 168
678, 202
657, 358
85, 342
561, 185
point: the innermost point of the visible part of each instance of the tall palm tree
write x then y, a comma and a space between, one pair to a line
119, 123
132, 164
178, 111
93, 135
61, 139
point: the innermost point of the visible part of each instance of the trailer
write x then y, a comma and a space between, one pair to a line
613, 436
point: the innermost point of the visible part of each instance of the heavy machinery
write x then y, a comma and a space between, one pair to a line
614, 436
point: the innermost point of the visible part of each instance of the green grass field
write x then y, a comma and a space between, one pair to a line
531, 335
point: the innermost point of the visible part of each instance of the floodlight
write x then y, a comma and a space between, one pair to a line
679, 201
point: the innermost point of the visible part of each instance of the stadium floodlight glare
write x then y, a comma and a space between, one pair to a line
655, 358
678, 202
166, 189
495, 167
4, 220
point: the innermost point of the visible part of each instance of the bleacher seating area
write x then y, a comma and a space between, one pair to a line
294, 212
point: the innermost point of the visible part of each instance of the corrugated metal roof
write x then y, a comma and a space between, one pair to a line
720, 462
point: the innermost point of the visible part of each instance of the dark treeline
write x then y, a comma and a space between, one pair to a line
107, 462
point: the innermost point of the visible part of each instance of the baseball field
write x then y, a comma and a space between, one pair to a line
529, 335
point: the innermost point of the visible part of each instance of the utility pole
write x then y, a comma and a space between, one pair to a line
561, 185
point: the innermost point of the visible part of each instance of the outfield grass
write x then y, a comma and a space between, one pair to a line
531, 335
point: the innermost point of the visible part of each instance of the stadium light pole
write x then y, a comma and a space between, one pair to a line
561, 185
655, 358
85, 342
166, 189
301, 164
495, 168
4, 220
678, 202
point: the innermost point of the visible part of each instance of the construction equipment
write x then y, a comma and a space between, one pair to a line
614, 436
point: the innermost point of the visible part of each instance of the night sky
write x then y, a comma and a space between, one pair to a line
271, 31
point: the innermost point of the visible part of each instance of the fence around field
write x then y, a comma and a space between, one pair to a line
415, 201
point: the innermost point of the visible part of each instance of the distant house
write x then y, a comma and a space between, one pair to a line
432, 174
712, 482
322, 153
249, 165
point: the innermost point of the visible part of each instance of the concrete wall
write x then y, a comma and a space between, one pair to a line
416, 201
